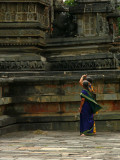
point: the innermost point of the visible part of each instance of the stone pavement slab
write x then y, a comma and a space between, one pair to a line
52, 145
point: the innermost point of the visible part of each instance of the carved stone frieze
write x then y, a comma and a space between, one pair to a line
84, 65
22, 65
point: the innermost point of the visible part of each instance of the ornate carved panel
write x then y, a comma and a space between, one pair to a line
22, 65
27, 22
89, 24
24, 12
84, 65
17, 12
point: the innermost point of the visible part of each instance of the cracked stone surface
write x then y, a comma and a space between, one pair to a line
51, 145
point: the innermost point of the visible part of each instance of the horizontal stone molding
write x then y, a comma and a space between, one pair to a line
89, 1
23, 25
39, 99
110, 97
107, 116
22, 33
66, 117
57, 76
95, 7
82, 57
22, 41
55, 42
55, 98
45, 2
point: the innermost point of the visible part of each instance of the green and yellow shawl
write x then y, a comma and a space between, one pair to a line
94, 105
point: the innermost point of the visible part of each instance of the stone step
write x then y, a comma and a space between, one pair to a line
66, 122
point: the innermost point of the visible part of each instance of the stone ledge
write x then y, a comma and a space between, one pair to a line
104, 122
115, 96
44, 2
6, 120
24, 25
65, 117
47, 118
39, 99
101, 56
108, 126
56, 42
55, 98
9, 129
107, 116
22, 123
56, 76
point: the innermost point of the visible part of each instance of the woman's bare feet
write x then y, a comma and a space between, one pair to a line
82, 135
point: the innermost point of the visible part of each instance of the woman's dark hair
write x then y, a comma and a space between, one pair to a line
85, 84
89, 79
84, 78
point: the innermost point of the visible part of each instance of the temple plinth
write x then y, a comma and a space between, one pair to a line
45, 47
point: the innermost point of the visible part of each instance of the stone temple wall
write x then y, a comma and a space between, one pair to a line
39, 74
52, 102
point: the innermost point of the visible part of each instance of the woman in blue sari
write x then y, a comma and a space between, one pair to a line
88, 107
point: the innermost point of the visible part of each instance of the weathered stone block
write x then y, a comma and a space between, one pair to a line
6, 120
66, 126
35, 126
8, 129
91, 7
41, 108
41, 118
108, 126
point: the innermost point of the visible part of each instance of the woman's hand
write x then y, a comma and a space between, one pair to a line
82, 78
81, 104
80, 110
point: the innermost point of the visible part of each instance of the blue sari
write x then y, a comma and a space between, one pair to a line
86, 116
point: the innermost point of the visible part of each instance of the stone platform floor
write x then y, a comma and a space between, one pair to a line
43, 145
